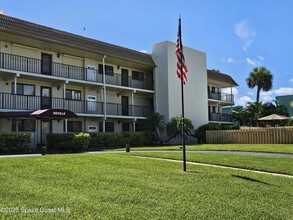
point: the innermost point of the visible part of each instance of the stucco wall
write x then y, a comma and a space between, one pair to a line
168, 85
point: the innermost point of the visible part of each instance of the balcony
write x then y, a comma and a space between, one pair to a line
219, 117
221, 97
10, 101
31, 65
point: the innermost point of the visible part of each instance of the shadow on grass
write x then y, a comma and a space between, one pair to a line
250, 179
193, 171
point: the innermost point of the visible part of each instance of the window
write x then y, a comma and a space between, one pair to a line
215, 90
214, 109
74, 126
137, 75
109, 127
73, 94
125, 126
24, 125
109, 70
23, 89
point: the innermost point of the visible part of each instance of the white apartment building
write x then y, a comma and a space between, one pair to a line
52, 81
203, 98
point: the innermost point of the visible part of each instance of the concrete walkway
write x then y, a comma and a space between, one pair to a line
170, 151
219, 166
20, 155
217, 152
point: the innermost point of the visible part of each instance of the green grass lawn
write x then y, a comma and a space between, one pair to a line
282, 165
276, 148
116, 186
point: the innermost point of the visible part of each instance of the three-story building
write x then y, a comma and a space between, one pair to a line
52, 81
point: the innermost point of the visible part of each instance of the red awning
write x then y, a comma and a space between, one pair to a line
41, 114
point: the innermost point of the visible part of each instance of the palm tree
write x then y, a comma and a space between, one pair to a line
174, 127
155, 123
253, 112
261, 78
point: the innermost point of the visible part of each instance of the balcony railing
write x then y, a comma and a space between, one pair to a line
31, 65
10, 101
219, 117
221, 97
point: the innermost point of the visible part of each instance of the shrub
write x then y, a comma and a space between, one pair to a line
108, 140
100, 141
14, 142
200, 133
80, 142
139, 138
75, 142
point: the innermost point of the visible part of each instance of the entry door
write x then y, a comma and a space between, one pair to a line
46, 98
91, 104
125, 77
46, 128
91, 73
46, 65
125, 106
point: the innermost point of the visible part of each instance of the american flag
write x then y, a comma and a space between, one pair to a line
181, 67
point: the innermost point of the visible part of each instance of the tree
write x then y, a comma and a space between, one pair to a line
174, 127
261, 78
155, 123
253, 112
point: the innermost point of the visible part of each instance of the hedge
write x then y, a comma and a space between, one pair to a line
14, 142
97, 141
108, 140
75, 142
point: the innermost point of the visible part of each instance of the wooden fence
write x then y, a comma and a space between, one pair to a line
277, 135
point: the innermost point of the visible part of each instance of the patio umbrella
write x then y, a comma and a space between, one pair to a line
273, 117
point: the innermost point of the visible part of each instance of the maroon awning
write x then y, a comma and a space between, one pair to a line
41, 114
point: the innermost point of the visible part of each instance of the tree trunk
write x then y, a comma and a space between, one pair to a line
257, 94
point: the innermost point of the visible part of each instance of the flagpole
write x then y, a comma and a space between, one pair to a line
182, 98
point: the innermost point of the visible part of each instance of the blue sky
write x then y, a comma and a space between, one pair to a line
236, 35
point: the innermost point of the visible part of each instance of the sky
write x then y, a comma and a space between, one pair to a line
236, 35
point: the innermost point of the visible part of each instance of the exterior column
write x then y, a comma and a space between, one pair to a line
132, 103
65, 125
64, 94
104, 92
15, 85
134, 129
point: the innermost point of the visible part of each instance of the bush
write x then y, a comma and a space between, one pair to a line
139, 138
200, 133
14, 142
75, 142
110, 140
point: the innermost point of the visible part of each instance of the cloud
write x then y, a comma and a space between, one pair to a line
228, 91
260, 57
243, 100
239, 100
283, 91
252, 62
270, 95
291, 80
266, 96
230, 60
242, 31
